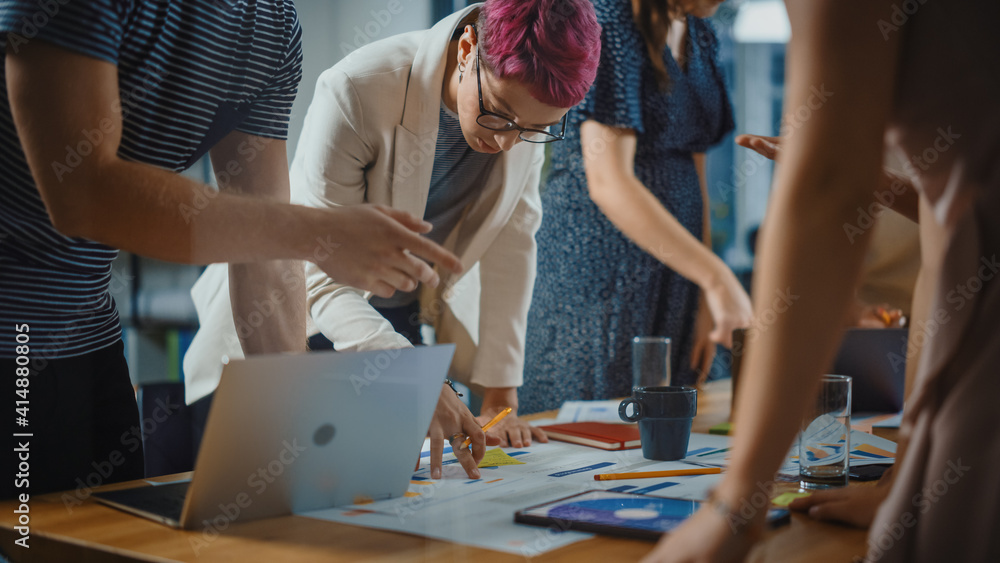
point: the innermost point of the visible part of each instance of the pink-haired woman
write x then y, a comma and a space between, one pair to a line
432, 122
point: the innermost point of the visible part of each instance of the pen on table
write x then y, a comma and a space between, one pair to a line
652, 474
488, 425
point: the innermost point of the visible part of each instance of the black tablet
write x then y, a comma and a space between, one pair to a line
619, 514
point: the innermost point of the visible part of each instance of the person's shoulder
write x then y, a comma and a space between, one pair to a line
374, 77
703, 31
384, 57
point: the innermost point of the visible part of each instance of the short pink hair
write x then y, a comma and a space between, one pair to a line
551, 46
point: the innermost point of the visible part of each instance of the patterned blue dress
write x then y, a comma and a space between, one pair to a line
595, 288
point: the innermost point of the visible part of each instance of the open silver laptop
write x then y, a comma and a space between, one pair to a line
296, 432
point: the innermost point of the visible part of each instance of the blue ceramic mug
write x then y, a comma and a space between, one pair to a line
664, 415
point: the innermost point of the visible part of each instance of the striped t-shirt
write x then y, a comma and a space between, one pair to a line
189, 73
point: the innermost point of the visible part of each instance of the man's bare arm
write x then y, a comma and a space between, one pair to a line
268, 298
156, 213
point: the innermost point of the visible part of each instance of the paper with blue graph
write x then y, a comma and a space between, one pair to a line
480, 512
866, 449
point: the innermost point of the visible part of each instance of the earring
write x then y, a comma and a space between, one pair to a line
461, 71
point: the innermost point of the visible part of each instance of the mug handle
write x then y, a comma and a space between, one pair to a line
636, 407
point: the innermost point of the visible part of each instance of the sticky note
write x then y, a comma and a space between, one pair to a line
723, 428
497, 457
784, 499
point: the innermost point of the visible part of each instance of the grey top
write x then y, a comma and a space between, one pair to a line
459, 172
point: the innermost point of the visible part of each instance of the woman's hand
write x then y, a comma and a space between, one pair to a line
884, 315
377, 248
768, 147
854, 506
729, 306
511, 431
452, 420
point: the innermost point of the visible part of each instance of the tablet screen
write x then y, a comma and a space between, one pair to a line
610, 512
617, 513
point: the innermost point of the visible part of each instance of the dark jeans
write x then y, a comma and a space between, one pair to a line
405, 320
83, 421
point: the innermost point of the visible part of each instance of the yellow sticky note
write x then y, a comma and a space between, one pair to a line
784, 499
497, 457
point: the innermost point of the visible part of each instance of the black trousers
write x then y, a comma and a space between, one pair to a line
82, 419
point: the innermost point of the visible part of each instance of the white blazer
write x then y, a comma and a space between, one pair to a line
369, 137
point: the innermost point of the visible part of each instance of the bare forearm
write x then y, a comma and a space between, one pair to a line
898, 193
500, 397
805, 249
642, 218
800, 259
269, 306
157, 213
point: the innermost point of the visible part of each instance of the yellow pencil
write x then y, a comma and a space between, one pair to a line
488, 425
651, 474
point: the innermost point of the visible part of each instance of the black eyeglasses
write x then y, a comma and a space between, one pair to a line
497, 122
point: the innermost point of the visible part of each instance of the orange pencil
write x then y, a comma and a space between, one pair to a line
488, 425
884, 315
652, 474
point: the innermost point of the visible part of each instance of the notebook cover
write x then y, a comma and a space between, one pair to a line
604, 435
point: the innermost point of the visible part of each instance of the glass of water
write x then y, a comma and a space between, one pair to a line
650, 361
825, 442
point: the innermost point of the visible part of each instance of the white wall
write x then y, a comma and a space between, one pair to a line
333, 28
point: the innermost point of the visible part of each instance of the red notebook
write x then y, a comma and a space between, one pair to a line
604, 435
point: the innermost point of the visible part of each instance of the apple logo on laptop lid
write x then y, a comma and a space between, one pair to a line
323, 435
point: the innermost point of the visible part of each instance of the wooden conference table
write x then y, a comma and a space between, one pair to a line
92, 532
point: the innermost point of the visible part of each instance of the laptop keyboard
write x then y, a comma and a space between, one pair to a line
163, 500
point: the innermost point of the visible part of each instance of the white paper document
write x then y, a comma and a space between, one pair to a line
589, 411
480, 512
866, 449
